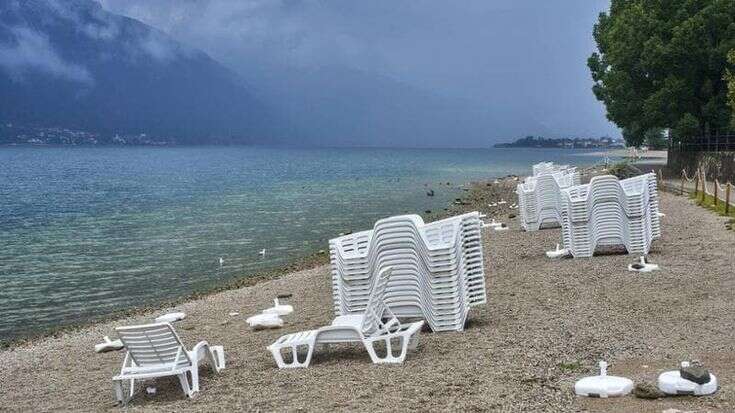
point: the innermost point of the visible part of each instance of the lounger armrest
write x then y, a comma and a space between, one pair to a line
338, 328
203, 351
200, 345
413, 328
406, 329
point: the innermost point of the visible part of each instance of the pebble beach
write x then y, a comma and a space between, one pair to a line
546, 324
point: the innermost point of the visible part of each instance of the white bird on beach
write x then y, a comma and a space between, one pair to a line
221, 261
262, 252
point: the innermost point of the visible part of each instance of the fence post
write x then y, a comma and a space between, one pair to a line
727, 198
715, 201
696, 185
704, 186
683, 174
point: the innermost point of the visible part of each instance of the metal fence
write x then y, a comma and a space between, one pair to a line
715, 143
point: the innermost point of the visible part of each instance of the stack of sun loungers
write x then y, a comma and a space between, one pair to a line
437, 267
539, 196
608, 211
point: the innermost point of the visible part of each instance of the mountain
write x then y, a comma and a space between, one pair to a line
70, 63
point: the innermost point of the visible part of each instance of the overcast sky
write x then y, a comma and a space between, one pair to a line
527, 56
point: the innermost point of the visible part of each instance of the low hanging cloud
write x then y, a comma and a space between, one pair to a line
520, 59
33, 51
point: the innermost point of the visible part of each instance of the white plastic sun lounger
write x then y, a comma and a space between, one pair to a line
367, 328
155, 350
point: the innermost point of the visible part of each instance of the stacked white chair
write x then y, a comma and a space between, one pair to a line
438, 271
608, 211
539, 196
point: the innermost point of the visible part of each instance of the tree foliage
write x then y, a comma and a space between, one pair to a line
730, 77
662, 63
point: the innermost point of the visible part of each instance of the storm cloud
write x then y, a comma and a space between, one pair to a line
524, 59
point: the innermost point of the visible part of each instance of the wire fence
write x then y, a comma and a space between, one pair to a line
715, 143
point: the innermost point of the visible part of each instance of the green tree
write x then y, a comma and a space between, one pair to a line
730, 77
661, 64
655, 139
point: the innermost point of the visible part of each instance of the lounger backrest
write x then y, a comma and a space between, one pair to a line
154, 345
372, 321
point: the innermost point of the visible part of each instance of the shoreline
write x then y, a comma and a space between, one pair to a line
306, 262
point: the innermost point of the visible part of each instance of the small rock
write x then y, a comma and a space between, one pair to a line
647, 391
511, 216
696, 374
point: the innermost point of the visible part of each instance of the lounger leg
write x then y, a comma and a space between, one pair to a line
309, 353
371, 351
215, 355
276, 351
218, 357
389, 357
132, 388
119, 391
211, 358
195, 378
185, 384
413, 342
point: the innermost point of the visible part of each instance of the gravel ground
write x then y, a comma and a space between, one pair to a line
546, 324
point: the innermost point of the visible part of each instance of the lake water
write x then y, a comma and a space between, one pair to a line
87, 231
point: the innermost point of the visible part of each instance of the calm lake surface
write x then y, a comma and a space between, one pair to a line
87, 231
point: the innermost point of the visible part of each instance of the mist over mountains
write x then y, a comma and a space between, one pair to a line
74, 64
71, 64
